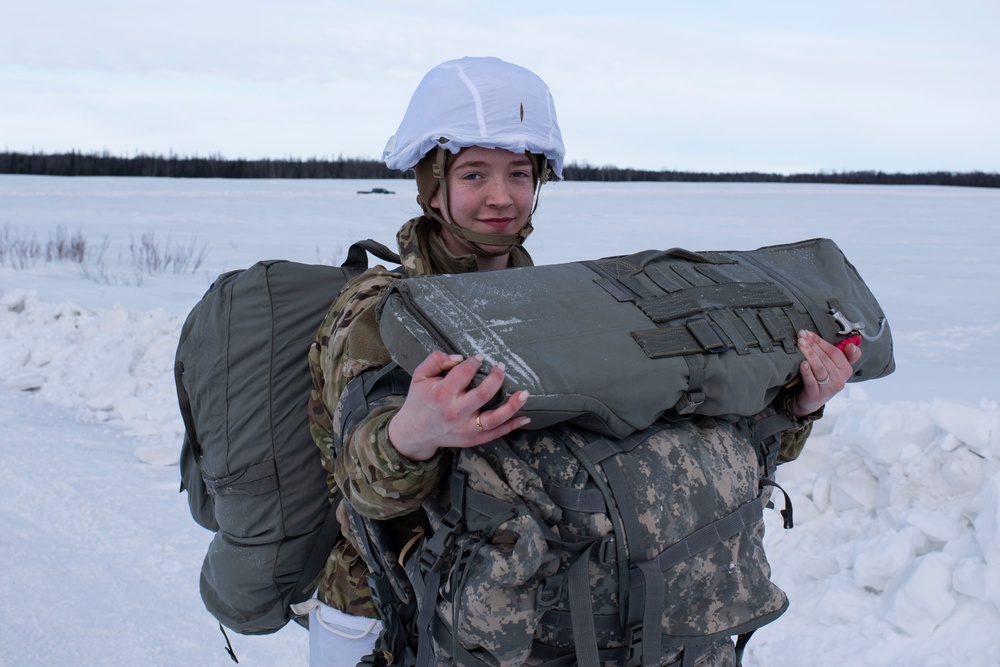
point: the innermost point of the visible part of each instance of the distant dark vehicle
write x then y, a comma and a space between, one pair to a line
376, 191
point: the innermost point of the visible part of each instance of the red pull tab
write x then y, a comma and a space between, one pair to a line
856, 339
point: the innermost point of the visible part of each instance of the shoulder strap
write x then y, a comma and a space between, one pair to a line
367, 387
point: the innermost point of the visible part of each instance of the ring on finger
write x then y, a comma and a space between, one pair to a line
479, 424
824, 381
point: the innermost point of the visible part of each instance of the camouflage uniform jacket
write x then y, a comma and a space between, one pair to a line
373, 476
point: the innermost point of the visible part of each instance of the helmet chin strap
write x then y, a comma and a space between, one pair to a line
467, 236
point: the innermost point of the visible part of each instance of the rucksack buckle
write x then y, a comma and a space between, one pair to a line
381, 590
633, 643
432, 556
549, 592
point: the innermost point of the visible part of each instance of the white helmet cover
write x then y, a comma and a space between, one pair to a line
482, 102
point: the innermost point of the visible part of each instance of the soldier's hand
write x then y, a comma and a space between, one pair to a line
443, 410
825, 371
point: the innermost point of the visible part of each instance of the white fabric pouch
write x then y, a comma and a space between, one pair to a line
337, 639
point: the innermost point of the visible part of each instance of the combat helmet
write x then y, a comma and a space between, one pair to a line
484, 102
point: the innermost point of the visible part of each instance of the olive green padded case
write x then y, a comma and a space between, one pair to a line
615, 343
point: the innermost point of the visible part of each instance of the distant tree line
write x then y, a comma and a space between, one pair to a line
215, 166
978, 179
174, 166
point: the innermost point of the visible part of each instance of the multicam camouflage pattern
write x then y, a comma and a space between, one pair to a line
683, 476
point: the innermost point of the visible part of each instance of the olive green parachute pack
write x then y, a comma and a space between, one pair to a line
613, 344
248, 461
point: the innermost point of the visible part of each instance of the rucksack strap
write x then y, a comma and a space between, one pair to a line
357, 257
766, 437
360, 392
184, 402
786, 514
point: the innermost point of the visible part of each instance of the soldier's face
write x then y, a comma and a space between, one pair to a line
489, 191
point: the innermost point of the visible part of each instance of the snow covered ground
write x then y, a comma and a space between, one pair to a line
895, 557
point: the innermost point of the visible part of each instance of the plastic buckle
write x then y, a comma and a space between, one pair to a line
432, 557
607, 552
380, 589
633, 642
549, 592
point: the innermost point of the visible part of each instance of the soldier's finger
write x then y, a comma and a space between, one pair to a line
499, 422
505, 411
484, 392
436, 363
458, 378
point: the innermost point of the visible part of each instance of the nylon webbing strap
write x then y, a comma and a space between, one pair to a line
706, 336
647, 589
427, 616
552, 656
766, 435
690, 655
665, 280
357, 257
772, 425
590, 501
390, 380
667, 342
798, 320
786, 514
615, 289
736, 337
646, 601
607, 453
780, 328
760, 335
485, 506
694, 396
581, 608
725, 313
627, 507
710, 297
743, 518
603, 623
690, 274
185, 406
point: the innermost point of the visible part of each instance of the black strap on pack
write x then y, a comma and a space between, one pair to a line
362, 391
357, 257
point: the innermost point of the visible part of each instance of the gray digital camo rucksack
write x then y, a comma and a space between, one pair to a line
248, 462
562, 546
615, 343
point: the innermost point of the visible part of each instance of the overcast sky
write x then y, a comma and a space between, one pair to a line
781, 86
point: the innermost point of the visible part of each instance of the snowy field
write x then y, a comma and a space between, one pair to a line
895, 557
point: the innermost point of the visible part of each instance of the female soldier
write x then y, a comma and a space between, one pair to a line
482, 137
